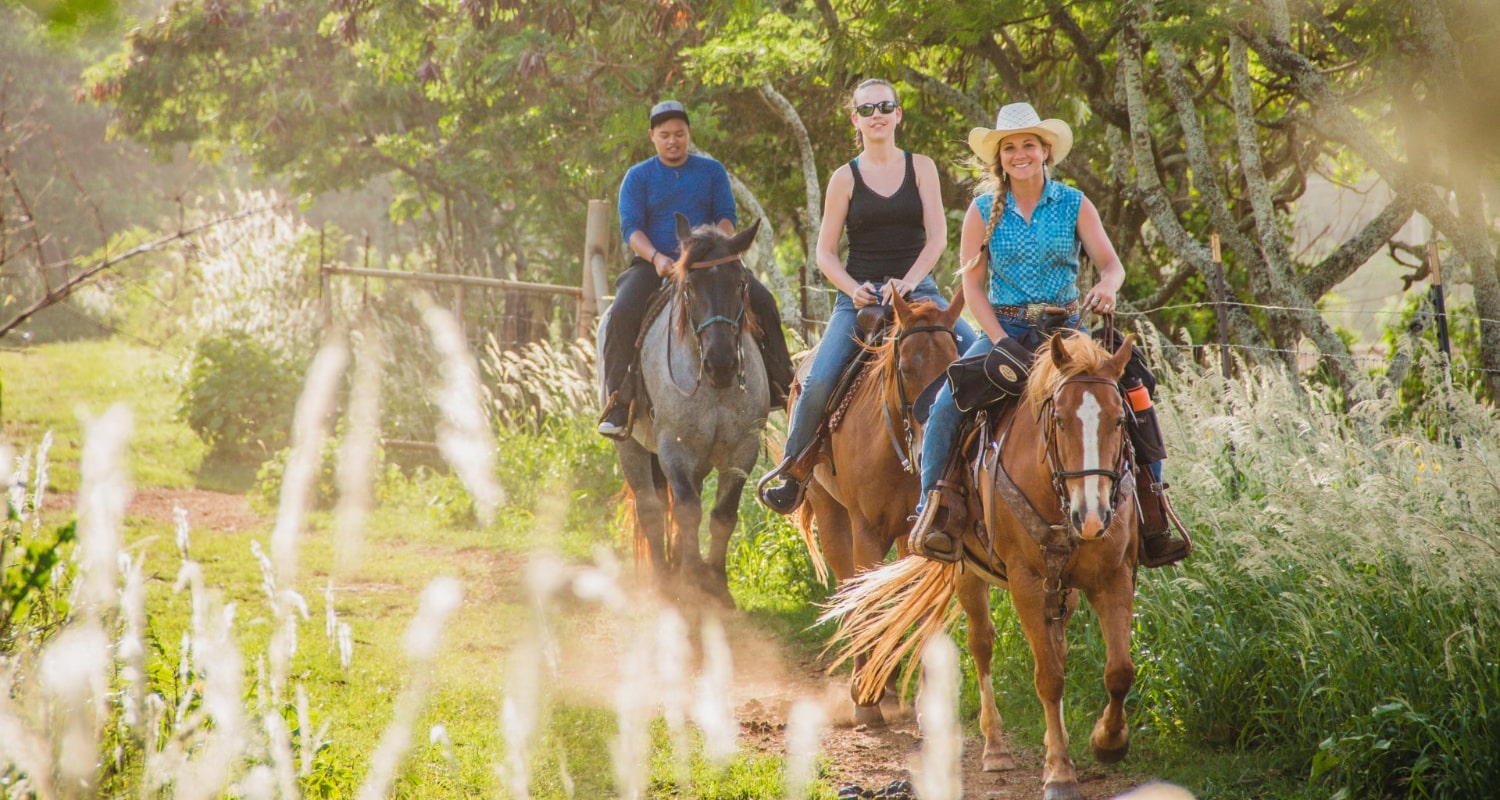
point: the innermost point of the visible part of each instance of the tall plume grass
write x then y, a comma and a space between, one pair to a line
1339, 612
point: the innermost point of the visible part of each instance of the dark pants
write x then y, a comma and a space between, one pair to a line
633, 291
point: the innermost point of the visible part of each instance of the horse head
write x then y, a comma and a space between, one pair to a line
1075, 388
713, 296
922, 344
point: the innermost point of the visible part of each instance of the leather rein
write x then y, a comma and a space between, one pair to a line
905, 447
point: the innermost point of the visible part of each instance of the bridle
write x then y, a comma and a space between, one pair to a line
1052, 430
736, 324
906, 448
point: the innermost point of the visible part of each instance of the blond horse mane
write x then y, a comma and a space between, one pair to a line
1085, 357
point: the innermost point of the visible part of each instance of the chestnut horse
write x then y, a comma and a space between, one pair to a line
862, 497
1056, 504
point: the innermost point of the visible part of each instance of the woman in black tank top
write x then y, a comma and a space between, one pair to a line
888, 202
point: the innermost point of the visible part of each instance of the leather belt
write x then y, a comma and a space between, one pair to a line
1032, 312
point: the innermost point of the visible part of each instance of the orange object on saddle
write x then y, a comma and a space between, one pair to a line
1140, 399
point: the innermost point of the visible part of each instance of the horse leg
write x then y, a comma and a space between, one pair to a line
1049, 656
642, 473
721, 524
687, 517
1114, 605
974, 598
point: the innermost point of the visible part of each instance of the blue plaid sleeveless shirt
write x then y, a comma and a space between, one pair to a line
1036, 262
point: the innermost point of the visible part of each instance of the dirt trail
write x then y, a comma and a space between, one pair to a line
769, 679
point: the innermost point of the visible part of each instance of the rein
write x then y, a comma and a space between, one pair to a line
1058, 540
1050, 433
906, 447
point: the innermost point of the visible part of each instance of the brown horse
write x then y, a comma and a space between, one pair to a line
1056, 502
861, 497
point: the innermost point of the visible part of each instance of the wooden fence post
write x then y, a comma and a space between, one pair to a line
1221, 305
592, 276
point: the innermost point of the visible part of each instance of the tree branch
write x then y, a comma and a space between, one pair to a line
1357, 249
61, 293
813, 213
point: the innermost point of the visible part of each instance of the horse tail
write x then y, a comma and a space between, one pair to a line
631, 529
814, 550
889, 612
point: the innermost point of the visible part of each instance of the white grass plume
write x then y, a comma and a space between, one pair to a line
309, 427
713, 712
806, 725
440, 600
670, 667
463, 436
103, 494
936, 773
635, 701
357, 452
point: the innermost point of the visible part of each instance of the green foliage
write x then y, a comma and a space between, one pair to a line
239, 396
34, 577
438, 495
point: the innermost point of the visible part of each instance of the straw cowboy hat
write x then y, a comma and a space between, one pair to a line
1021, 118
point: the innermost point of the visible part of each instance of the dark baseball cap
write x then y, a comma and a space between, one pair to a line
667, 109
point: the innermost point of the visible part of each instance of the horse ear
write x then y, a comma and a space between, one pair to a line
1122, 356
1059, 350
901, 307
684, 230
741, 241
950, 317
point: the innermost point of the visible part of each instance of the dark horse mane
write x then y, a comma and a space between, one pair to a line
700, 247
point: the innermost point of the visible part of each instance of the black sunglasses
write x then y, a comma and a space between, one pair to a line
884, 107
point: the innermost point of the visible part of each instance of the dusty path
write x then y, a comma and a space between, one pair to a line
769, 678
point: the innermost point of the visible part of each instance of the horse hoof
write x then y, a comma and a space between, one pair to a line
1062, 791
1113, 754
1004, 762
869, 716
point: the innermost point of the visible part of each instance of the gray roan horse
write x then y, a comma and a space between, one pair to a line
708, 398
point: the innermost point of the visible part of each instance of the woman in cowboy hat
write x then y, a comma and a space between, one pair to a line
1027, 230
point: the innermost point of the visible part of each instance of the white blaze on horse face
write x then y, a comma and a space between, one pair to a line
1089, 416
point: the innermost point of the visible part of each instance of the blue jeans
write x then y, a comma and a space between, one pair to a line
838, 347
942, 423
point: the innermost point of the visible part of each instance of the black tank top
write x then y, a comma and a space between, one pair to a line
885, 233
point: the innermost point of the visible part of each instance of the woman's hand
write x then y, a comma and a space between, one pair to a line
895, 286
1101, 298
864, 295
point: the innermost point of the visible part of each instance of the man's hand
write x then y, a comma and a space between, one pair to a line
662, 263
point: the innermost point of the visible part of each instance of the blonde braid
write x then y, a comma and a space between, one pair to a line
997, 207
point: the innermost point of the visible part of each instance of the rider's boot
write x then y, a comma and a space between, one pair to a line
1159, 548
785, 497
942, 516
615, 421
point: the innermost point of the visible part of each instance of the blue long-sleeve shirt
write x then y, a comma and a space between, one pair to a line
652, 191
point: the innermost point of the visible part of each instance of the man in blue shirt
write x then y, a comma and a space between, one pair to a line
653, 190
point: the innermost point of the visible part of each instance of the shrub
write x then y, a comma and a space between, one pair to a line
239, 396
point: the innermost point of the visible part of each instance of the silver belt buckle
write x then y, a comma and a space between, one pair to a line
1033, 312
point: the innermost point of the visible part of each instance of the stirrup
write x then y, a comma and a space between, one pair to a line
783, 471
610, 429
926, 540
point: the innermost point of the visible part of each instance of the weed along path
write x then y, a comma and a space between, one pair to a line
770, 676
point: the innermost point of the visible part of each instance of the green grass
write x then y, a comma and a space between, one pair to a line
559, 480
57, 387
